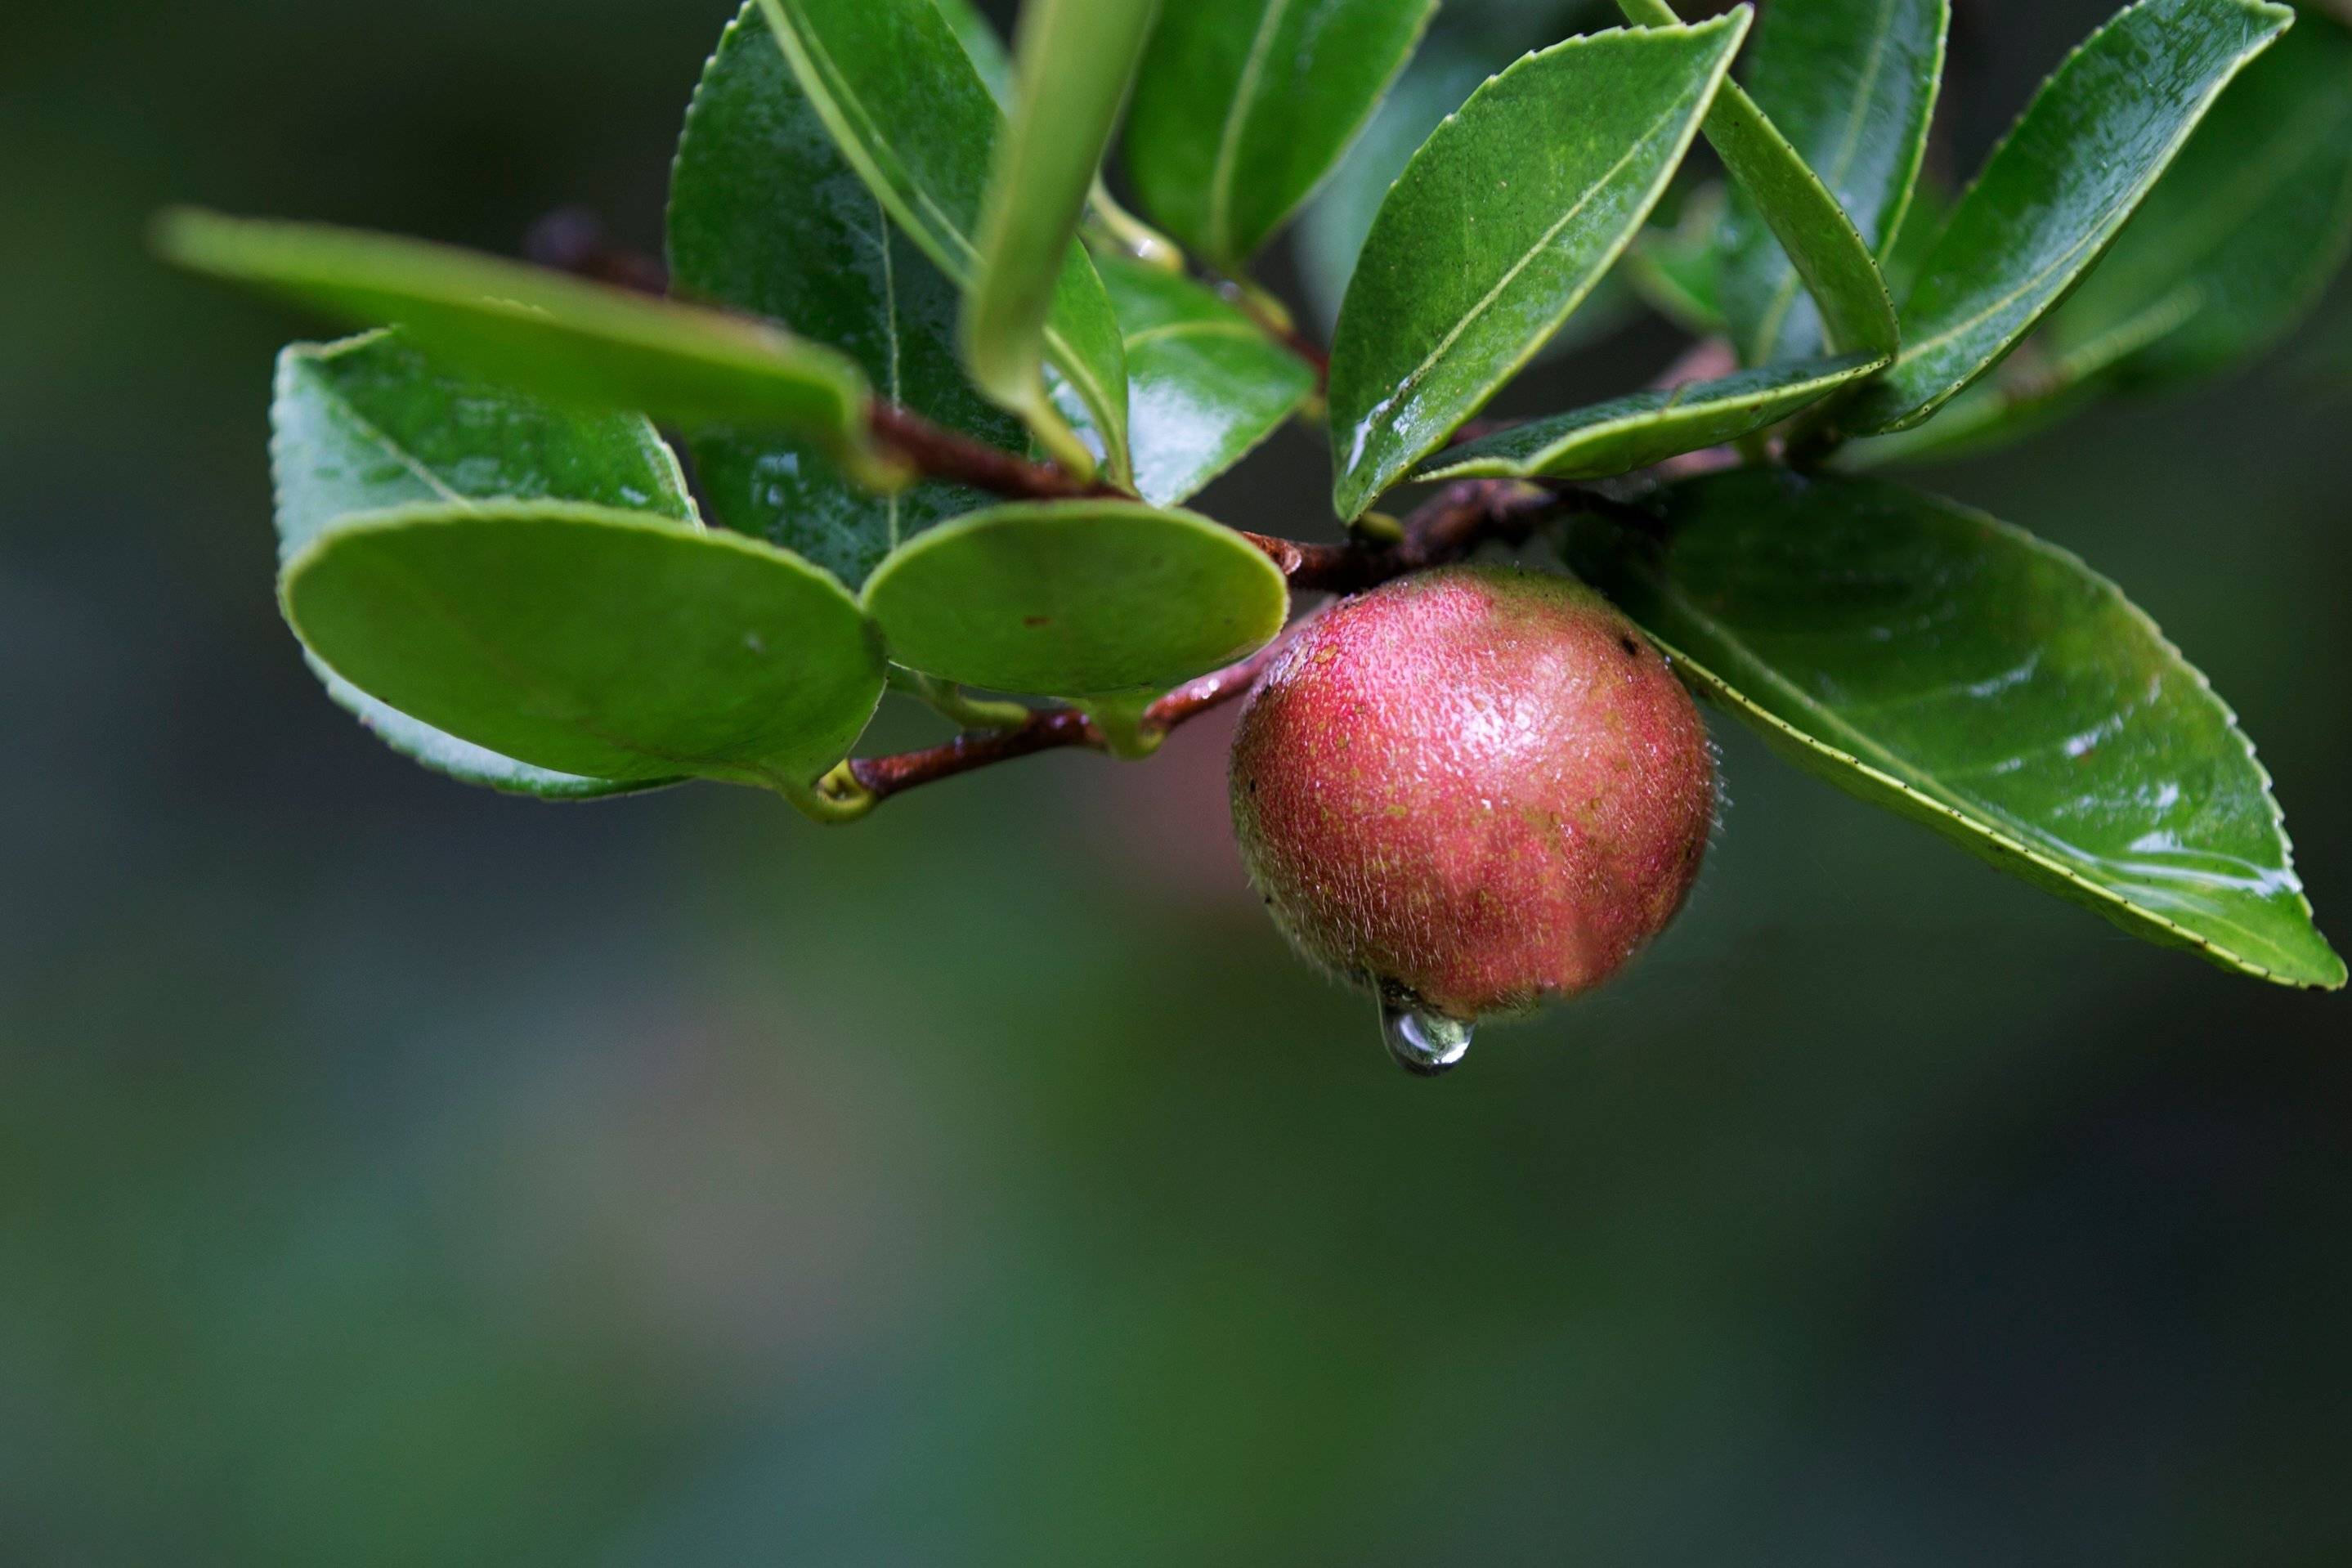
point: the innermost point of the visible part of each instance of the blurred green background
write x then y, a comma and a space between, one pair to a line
390, 1172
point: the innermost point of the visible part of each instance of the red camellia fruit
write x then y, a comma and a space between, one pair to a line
1472, 791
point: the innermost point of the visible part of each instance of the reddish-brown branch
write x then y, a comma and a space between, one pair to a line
936, 452
1057, 729
1458, 520
1455, 523
1276, 324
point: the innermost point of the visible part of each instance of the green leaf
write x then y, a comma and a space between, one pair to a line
911, 114
1820, 240
1246, 105
370, 424
592, 641
1954, 669
1077, 599
983, 46
2241, 237
1852, 84
1630, 433
766, 216
1206, 384
1331, 232
1499, 227
1923, 225
539, 331
2055, 193
1677, 269
2029, 391
1075, 63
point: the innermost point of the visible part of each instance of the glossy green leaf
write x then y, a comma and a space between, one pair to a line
592, 641
1499, 227
1915, 241
910, 113
1075, 60
1958, 671
1629, 432
539, 330
2243, 234
1829, 254
2029, 392
1120, 230
767, 218
370, 423
1331, 232
1077, 599
1852, 84
983, 46
1246, 105
1206, 384
2054, 193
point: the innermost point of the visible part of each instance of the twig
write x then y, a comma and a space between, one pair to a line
936, 452
1058, 728
1458, 520
1274, 318
1449, 527
574, 240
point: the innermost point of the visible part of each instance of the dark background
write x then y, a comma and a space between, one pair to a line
393, 1173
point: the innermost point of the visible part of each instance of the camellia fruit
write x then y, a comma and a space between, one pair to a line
1472, 791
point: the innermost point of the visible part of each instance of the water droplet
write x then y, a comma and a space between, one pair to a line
1426, 1045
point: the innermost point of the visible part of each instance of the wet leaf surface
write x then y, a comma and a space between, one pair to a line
1633, 432
1950, 667
1502, 222
1207, 384
1852, 84
2057, 191
1076, 59
767, 218
1814, 233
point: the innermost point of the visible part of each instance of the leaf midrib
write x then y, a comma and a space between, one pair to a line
1469, 318
1989, 821
1237, 114
858, 148
1784, 298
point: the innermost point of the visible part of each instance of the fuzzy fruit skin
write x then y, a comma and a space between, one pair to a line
1473, 790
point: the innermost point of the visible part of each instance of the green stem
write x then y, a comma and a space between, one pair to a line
1129, 235
833, 801
956, 705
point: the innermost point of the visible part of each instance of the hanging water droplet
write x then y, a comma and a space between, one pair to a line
1426, 1045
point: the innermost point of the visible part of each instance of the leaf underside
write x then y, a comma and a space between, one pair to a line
541, 331
1077, 599
371, 423
1852, 84
1646, 428
1818, 238
593, 642
1075, 61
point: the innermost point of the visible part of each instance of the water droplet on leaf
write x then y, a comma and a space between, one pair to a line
1426, 1045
